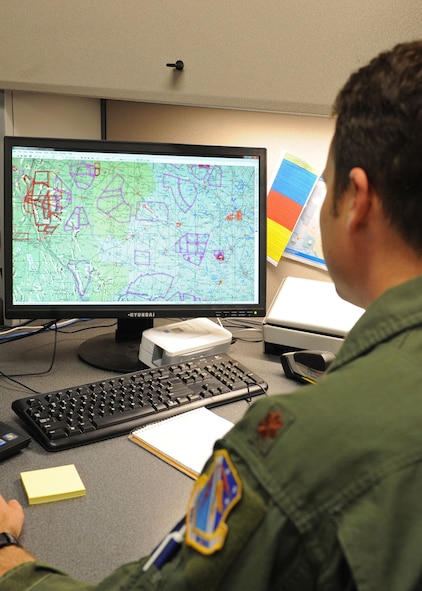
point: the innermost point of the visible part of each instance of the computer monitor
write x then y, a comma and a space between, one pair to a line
133, 231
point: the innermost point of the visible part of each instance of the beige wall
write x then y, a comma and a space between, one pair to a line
274, 55
305, 136
43, 115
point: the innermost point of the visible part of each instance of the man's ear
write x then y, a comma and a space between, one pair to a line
360, 198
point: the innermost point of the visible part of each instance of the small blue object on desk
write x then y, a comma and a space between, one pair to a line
11, 440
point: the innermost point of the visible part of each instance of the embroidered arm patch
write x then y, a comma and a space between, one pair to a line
213, 497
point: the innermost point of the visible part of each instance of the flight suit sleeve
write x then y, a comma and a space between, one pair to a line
38, 576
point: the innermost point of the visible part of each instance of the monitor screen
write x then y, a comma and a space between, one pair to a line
133, 231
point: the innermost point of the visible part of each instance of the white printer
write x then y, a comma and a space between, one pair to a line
178, 341
307, 314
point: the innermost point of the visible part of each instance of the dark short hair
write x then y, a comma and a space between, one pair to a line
379, 128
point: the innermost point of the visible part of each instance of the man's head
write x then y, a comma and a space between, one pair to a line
379, 129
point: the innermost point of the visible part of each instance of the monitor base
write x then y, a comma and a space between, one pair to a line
104, 352
117, 351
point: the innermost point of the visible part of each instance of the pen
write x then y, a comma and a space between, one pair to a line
167, 547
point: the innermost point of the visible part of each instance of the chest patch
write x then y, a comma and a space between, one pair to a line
213, 497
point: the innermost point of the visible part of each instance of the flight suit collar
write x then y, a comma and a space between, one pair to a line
397, 310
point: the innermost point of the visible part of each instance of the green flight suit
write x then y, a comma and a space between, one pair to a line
320, 489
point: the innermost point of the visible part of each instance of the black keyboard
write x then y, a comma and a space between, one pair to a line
92, 412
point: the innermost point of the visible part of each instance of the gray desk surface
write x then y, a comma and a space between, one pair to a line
133, 498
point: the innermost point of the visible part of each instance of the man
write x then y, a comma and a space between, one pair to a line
320, 489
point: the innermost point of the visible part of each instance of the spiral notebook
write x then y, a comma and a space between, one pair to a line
185, 441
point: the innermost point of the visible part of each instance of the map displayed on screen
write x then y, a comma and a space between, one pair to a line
132, 228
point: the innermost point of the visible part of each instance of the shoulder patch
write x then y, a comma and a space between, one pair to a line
214, 495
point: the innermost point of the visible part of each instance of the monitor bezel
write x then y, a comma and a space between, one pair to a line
142, 310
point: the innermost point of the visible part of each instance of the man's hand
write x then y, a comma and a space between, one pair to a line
11, 517
11, 521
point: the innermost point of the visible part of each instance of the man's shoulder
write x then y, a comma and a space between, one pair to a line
324, 440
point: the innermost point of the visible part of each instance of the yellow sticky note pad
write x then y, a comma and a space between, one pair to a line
52, 484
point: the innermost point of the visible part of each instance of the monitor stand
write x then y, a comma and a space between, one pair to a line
117, 351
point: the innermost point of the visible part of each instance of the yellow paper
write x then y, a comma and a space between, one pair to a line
52, 484
277, 240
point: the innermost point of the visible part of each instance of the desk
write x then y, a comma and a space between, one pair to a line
133, 498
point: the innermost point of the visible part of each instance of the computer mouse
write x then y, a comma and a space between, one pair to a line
306, 366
